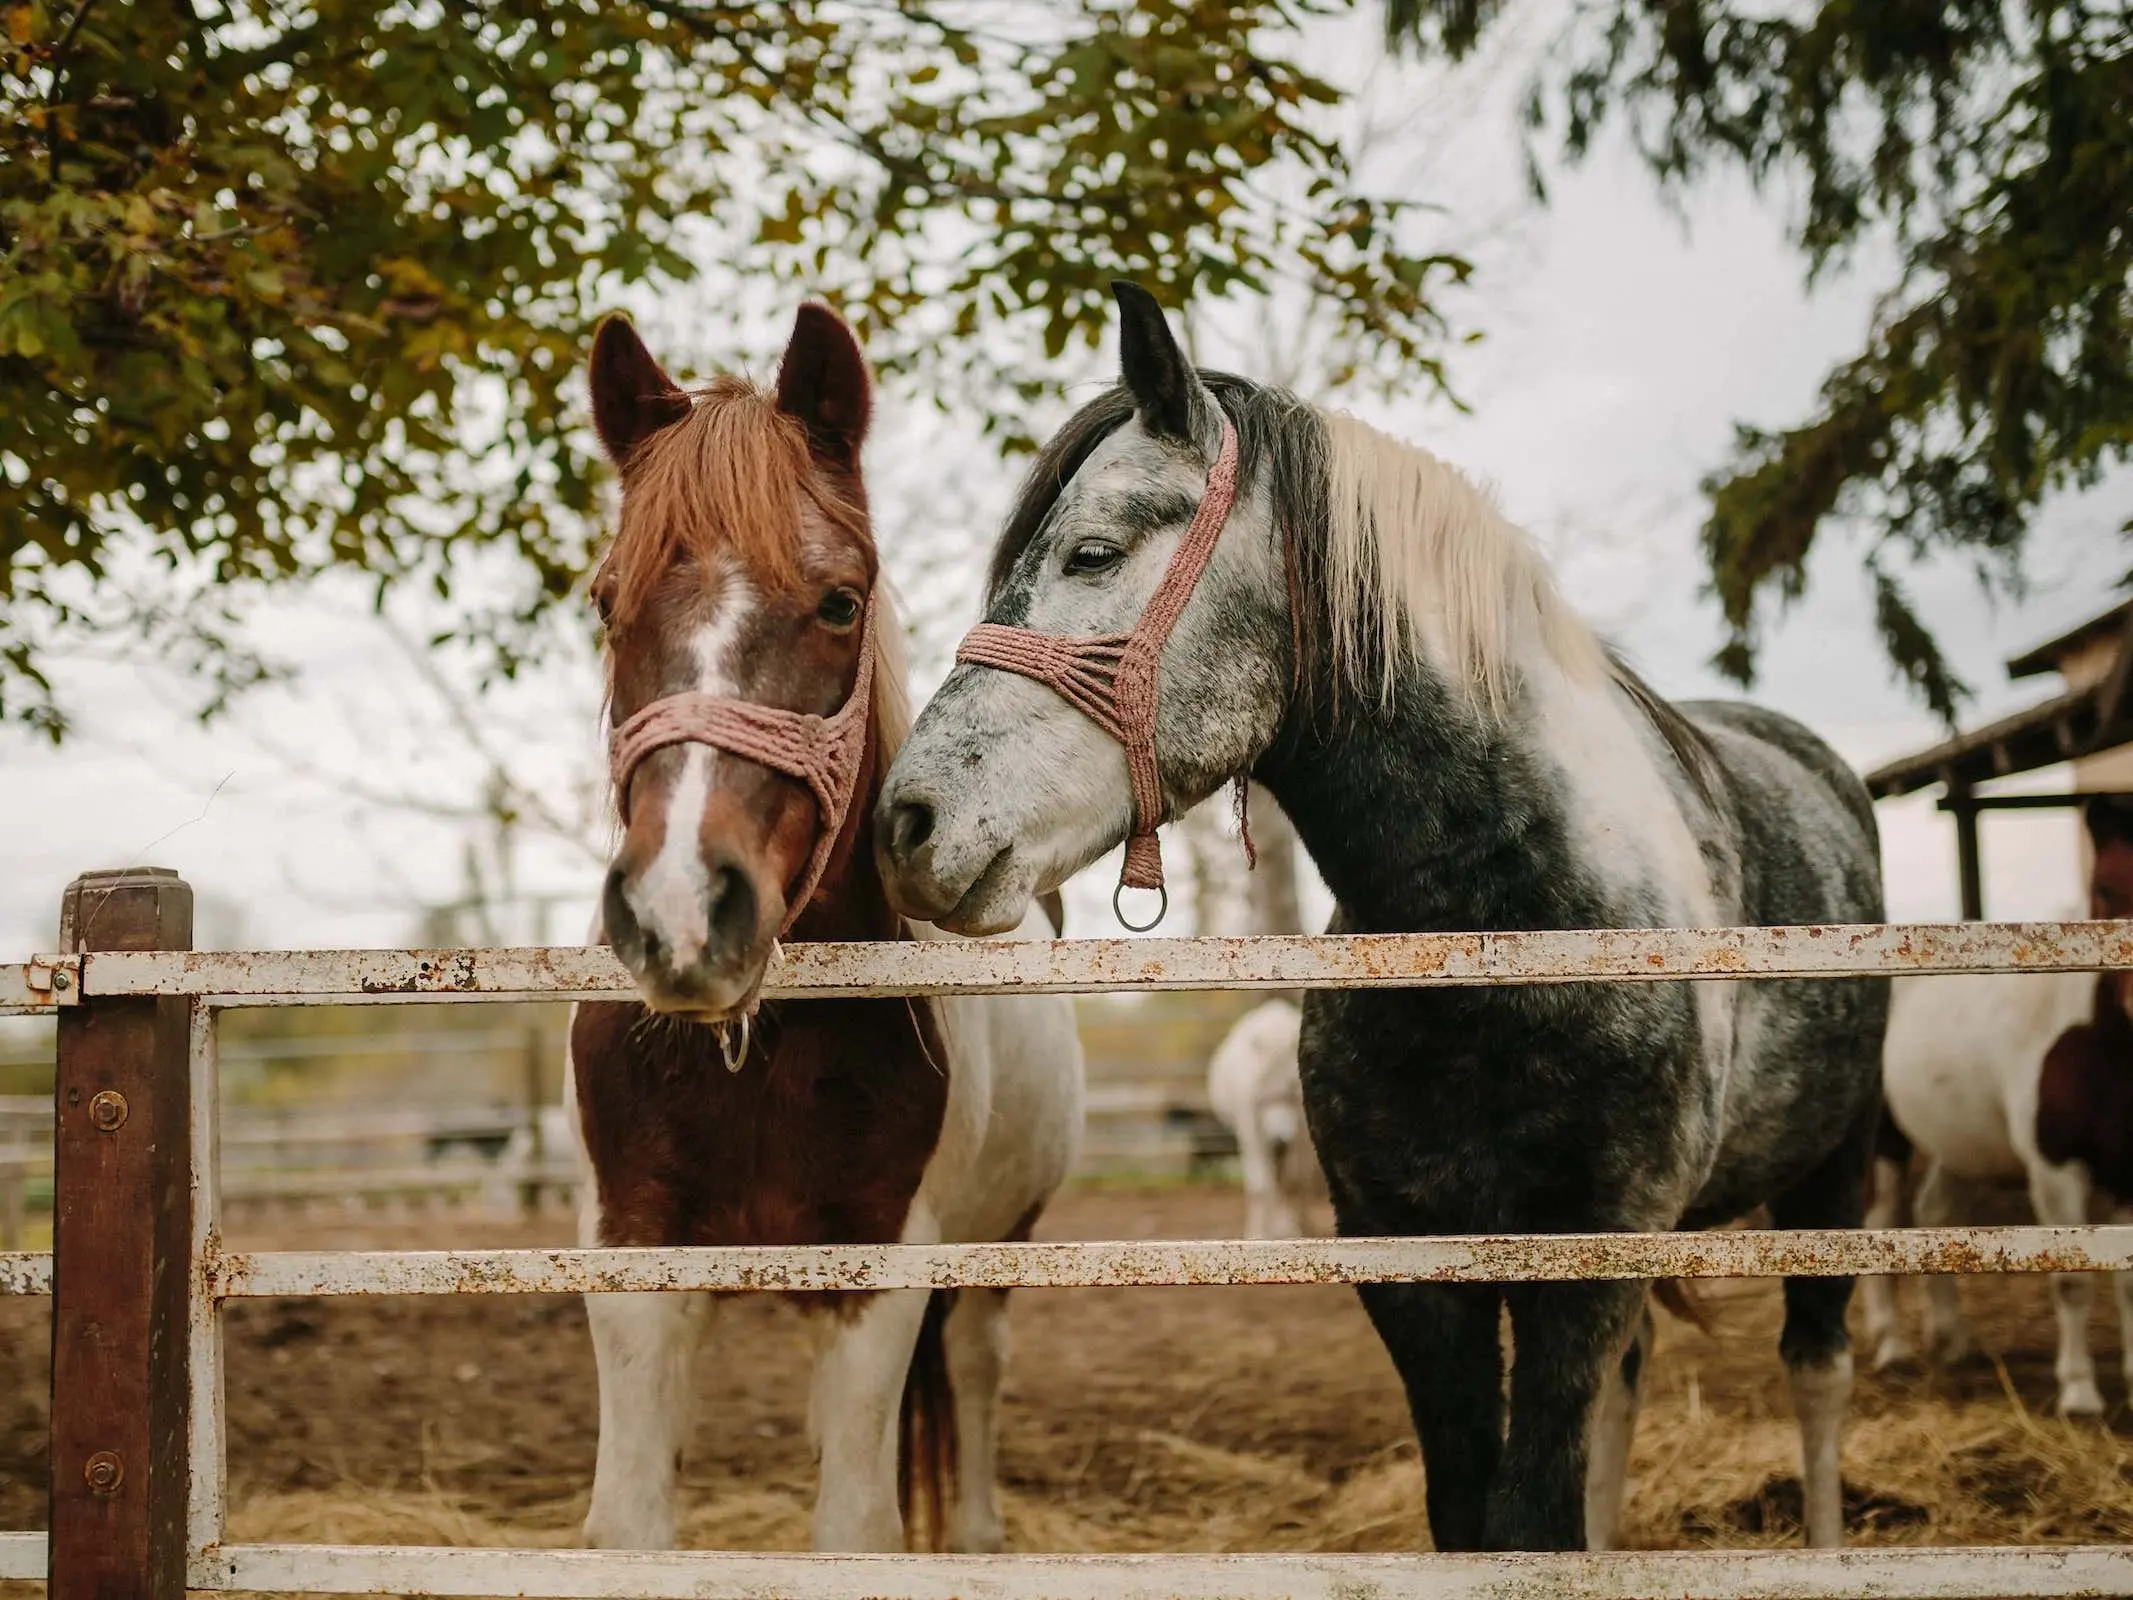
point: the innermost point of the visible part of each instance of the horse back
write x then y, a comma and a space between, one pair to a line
1808, 845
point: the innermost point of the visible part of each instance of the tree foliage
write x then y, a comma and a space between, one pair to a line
293, 285
1992, 140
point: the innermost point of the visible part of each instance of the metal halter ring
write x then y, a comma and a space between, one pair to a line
1118, 910
735, 1057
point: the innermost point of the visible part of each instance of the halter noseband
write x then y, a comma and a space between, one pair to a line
822, 752
1112, 678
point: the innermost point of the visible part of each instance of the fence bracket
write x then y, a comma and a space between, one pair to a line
42, 983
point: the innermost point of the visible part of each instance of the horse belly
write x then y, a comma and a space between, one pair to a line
1958, 1117
1962, 1059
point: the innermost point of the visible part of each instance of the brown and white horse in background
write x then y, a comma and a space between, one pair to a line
744, 570
1995, 1076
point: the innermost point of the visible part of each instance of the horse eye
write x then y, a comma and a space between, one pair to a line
839, 608
1093, 555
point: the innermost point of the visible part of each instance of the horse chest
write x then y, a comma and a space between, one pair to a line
822, 1137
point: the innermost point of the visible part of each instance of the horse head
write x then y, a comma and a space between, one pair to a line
742, 632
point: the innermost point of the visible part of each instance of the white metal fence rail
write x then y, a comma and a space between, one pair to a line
210, 982
939, 966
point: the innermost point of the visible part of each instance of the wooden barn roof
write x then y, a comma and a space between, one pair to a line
2083, 721
2043, 658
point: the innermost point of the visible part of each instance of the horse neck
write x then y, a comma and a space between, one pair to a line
851, 905
1421, 815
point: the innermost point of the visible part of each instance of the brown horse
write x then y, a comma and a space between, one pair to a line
756, 693
1997, 1076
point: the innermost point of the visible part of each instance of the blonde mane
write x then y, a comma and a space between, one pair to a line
1421, 565
892, 677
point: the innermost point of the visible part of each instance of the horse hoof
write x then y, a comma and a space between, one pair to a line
2080, 1399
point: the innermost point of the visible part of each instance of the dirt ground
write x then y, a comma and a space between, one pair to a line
1136, 1419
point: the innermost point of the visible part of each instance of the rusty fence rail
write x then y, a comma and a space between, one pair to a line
138, 1483
1474, 1258
47, 984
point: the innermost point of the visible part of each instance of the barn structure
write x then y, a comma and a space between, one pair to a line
2088, 726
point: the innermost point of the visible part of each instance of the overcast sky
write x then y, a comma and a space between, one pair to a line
1623, 340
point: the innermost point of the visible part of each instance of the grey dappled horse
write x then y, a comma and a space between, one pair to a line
1373, 641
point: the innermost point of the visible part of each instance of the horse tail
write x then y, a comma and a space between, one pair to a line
926, 1443
1681, 1298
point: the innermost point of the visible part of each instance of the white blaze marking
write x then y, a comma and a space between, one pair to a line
670, 895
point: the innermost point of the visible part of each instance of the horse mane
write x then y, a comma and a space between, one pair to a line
892, 676
1403, 551
736, 479
1420, 563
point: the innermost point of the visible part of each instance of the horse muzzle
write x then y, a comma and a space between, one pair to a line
696, 942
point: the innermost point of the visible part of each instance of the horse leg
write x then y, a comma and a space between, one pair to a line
1443, 1340
1614, 1423
976, 1349
1940, 1205
1565, 1338
643, 1345
854, 1412
1283, 1216
2061, 1198
1262, 1179
1815, 1346
1884, 1310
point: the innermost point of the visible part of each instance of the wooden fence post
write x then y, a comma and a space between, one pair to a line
121, 1257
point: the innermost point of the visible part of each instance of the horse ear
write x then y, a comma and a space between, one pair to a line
632, 397
823, 381
1173, 403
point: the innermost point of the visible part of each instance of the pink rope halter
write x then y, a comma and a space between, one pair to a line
822, 752
1112, 678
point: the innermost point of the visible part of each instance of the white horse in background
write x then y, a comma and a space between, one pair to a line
1253, 1087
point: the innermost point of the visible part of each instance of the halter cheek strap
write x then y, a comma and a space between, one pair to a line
1112, 678
822, 752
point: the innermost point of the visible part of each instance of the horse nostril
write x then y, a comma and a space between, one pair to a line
729, 911
910, 826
